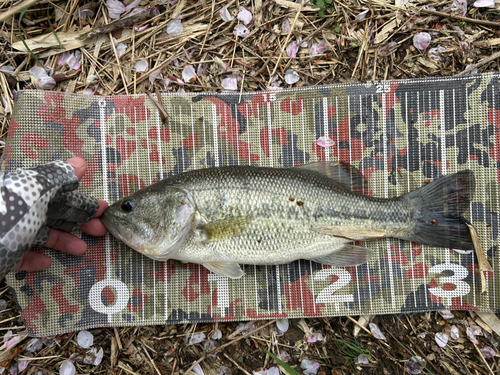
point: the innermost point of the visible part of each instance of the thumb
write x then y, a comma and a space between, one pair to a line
80, 166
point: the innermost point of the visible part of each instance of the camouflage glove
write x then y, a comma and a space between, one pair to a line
34, 199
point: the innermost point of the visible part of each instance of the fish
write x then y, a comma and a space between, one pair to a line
229, 216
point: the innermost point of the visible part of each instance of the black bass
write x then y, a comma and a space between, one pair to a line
227, 216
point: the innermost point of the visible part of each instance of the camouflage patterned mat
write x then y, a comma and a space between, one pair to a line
401, 134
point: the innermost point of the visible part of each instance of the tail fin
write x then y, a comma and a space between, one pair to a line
437, 210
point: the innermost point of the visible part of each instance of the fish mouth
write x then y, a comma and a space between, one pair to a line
116, 228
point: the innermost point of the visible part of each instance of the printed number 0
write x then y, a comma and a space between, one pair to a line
121, 296
459, 273
326, 295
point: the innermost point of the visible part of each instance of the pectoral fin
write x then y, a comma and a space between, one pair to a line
231, 270
347, 256
224, 229
352, 233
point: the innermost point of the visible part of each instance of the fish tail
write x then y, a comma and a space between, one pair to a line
437, 212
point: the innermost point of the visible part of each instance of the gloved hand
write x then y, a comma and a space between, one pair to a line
34, 199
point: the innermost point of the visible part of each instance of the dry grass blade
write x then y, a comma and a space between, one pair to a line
484, 265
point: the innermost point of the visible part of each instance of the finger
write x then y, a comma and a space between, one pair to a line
33, 261
66, 242
102, 207
94, 227
79, 165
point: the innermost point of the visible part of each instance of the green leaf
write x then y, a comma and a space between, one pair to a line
287, 368
321, 13
328, 1
320, 3
337, 29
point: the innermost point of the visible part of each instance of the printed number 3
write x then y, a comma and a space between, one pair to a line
459, 273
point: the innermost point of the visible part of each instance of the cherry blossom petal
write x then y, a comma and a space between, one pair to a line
11, 341
315, 337
401, 2
441, 339
247, 327
240, 30
484, 4
94, 356
175, 28
45, 81
230, 83
34, 345
488, 352
309, 367
286, 26
292, 49
454, 334
284, 356
283, 324
63, 59
245, 15
415, 365
435, 53
319, 48
225, 15
84, 13
75, 60
198, 370
362, 15
362, 360
446, 314
188, 74
115, 8
194, 339
85, 339
377, 333
325, 142
273, 371
154, 75
132, 5
9, 69
201, 69
92, 79
141, 65
422, 40
224, 371
217, 335
6, 107
471, 334
67, 368
120, 49
291, 76
459, 5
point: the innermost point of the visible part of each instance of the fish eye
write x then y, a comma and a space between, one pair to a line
127, 206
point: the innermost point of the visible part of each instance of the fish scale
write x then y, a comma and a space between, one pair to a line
223, 217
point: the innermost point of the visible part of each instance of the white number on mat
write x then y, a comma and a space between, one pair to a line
381, 88
121, 294
326, 295
222, 285
459, 273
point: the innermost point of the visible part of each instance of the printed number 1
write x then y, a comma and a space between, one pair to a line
459, 273
326, 295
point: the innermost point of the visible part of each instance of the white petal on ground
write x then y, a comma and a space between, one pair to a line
92, 79
260, 371
217, 335
188, 74
12, 341
286, 27
120, 49
309, 367
454, 333
325, 142
283, 324
446, 314
67, 368
362, 15
224, 371
441, 339
245, 15
154, 75
34, 345
273, 371
94, 356
245, 328
315, 337
5, 105
141, 28
484, 4
415, 365
471, 335
175, 28
435, 53
45, 81
141, 65
292, 49
75, 60
132, 5
9, 69
63, 59
488, 352
84, 13
319, 48
115, 8
377, 332
198, 370
85, 339
459, 5
422, 40
401, 2
194, 339
291, 76
240, 30
89, 91
284, 356
226, 15
201, 69
362, 360
230, 83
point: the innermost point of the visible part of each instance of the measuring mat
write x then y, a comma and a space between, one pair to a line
400, 134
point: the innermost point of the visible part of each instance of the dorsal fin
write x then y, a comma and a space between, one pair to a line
344, 173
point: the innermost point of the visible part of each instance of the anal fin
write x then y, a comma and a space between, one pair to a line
228, 269
347, 256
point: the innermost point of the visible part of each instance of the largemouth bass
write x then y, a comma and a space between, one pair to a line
227, 216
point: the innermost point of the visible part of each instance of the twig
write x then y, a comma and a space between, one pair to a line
366, 329
157, 102
466, 19
236, 364
118, 62
17, 9
484, 360
122, 23
484, 61
147, 353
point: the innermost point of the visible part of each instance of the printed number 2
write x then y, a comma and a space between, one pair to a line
383, 88
459, 273
326, 295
